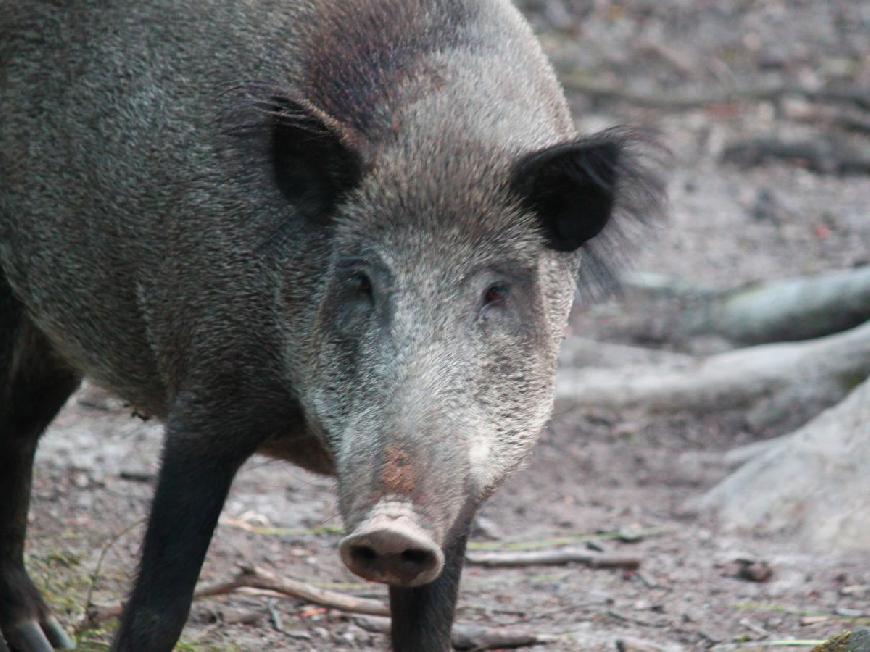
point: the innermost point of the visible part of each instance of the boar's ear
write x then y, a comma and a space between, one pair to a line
571, 187
605, 185
314, 158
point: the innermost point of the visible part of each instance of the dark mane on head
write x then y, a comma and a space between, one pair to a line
363, 54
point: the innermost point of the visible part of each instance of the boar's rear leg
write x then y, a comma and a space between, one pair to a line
196, 472
33, 387
422, 617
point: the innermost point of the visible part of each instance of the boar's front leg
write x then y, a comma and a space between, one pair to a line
198, 466
34, 385
422, 617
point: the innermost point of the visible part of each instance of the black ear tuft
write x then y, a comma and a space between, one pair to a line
572, 188
597, 189
314, 160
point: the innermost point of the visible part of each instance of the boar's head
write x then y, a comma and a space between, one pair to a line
448, 270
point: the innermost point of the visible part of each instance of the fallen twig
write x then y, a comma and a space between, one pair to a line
552, 558
754, 645
324, 530
95, 575
789, 643
261, 579
624, 618
848, 119
755, 629
471, 637
825, 154
628, 535
680, 61
628, 644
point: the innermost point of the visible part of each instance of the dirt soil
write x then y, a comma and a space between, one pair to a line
593, 471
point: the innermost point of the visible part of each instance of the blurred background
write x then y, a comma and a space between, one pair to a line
712, 425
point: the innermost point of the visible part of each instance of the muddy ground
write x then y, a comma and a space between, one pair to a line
592, 471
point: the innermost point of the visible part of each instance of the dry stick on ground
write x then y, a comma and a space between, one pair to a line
825, 154
472, 637
681, 61
829, 117
464, 636
628, 535
772, 382
262, 580
552, 558
631, 644
258, 578
95, 575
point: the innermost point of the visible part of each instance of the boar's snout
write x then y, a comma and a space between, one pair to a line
392, 549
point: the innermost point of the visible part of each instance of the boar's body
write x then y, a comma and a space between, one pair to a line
124, 198
341, 233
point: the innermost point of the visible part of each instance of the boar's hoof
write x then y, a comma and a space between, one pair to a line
393, 551
31, 636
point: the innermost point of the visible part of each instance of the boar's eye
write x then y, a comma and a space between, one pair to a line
360, 284
354, 301
495, 296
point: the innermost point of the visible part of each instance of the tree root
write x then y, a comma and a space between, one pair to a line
773, 383
792, 309
812, 485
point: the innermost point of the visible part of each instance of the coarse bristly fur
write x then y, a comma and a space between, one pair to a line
343, 233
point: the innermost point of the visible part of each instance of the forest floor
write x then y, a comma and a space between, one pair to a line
593, 471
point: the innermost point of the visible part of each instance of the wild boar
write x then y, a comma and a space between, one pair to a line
343, 233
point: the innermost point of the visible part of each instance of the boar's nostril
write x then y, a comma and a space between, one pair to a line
420, 557
363, 554
415, 562
393, 555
